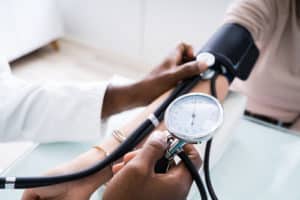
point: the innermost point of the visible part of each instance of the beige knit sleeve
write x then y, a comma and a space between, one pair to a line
258, 16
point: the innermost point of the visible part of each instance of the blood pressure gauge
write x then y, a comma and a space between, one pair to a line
192, 118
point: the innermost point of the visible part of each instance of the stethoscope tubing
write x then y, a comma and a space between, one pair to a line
136, 137
130, 143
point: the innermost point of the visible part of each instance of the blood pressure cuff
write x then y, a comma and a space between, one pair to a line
234, 48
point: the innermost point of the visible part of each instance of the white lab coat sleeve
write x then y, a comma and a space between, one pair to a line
50, 112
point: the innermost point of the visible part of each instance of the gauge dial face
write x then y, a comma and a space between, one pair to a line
194, 117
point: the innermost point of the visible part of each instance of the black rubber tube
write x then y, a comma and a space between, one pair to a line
126, 146
194, 173
136, 137
209, 185
206, 167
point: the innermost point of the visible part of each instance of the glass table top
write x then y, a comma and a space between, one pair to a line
261, 162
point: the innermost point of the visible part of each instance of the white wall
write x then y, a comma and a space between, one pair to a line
27, 26
141, 30
169, 22
113, 26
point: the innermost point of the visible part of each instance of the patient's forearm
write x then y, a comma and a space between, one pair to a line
203, 86
89, 158
92, 156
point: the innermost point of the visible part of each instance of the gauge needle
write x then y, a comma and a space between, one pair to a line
193, 118
194, 114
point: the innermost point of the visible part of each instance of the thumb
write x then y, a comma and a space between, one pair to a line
188, 70
153, 149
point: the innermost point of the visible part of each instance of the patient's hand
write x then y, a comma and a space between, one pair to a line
64, 191
80, 189
137, 179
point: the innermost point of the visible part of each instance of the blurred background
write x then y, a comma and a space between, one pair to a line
92, 40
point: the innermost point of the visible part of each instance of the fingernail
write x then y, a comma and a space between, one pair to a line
201, 64
161, 137
118, 166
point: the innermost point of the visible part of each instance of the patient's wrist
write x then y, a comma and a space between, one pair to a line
110, 144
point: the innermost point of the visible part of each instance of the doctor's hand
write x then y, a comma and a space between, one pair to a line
135, 178
177, 66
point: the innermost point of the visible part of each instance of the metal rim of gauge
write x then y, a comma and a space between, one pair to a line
199, 137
